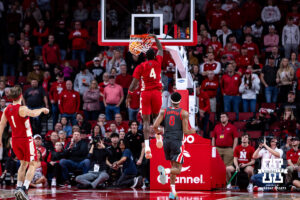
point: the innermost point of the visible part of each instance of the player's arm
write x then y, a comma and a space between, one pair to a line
158, 121
132, 87
158, 44
24, 111
2, 126
185, 123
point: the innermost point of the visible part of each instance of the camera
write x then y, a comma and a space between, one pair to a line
96, 139
268, 140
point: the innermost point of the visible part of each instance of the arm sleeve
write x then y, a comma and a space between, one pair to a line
242, 87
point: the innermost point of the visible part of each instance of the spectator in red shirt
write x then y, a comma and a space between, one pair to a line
210, 65
121, 126
51, 54
133, 104
210, 85
242, 159
69, 103
292, 157
243, 60
251, 10
55, 90
215, 16
229, 52
295, 15
124, 80
230, 83
79, 38
204, 110
225, 138
38, 144
235, 46
40, 35
236, 21
251, 46
215, 43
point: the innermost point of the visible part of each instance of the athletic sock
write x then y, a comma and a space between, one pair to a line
173, 189
26, 184
168, 171
147, 146
19, 183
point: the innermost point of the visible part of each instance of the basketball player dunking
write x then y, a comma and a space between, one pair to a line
22, 140
175, 125
148, 73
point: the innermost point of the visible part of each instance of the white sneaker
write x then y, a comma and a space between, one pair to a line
135, 182
53, 182
229, 187
250, 187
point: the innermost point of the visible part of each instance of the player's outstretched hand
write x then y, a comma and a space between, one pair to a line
46, 111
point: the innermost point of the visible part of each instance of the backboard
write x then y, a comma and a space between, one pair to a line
173, 21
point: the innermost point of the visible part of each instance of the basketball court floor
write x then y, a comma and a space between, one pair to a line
129, 194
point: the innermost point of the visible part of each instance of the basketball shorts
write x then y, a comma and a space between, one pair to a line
173, 150
151, 102
25, 149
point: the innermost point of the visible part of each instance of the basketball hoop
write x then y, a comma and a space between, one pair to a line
140, 43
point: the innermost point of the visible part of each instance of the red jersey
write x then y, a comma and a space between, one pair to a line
210, 87
243, 154
20, 126
252, 49
210, 66
149, 74
293, 155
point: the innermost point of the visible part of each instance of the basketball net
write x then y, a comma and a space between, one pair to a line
140, 44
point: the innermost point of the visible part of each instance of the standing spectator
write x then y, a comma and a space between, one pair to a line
55, 90
251, 10
271, 40
91, 105
40, 35
66, 126
294, 14
284, 79
290, 103
124, 80
257, 31
44, 5
36, 13
225, 138
249, 88
288, 122
236, 21
215, 16
97, 69
113, 97
243, 60
83, 81
225, 34
290, 38
251, 46
268, 79
210, 65
230, 83
79, 38
294, 62
35, 97
181, 13
133, 104
36, 74
10, 56
27, 56
270, 13
75, 155
276, 55
81, 14
116, 62
69, 103
50, 145
51, 54
61, 37
242, 160
98, 175
292, 157
210, 85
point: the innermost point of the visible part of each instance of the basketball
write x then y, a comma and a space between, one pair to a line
134, 48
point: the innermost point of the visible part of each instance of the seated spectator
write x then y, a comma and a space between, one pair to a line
225, 138
27, 57
215, 16
84, 126
61, 35
210, 65
36, 74
290, 38
80, 14
121, 125
122, 135
294, 62
291, 103
284, 79
216, 45
113, 97
288, 122
251, 46
50, 145
268, 79
2, 89
115, 154
271, 40
287, 145
261, 122
230, 83
257, 31
292, 157
39, 179
294, 14
11, 162
63, 138
116, 62
249, 88
38, 144
264, 151
91, 104
98, 173
242, 160
66, 127
97, 132
54, 169
75, 157
69, 103
276, 55
229, 52
102, 123
133, 104
95, 14
243, 60
83, 81
128, 177
67, 70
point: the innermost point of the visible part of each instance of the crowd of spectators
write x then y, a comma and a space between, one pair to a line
246, 61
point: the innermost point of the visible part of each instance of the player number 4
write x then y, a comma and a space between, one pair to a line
152, 73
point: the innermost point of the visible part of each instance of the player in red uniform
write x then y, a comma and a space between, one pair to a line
148, 73
22, 140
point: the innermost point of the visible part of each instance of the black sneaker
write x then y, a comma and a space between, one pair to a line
21, 193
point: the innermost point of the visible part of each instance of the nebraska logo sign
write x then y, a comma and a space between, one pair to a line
271, 168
